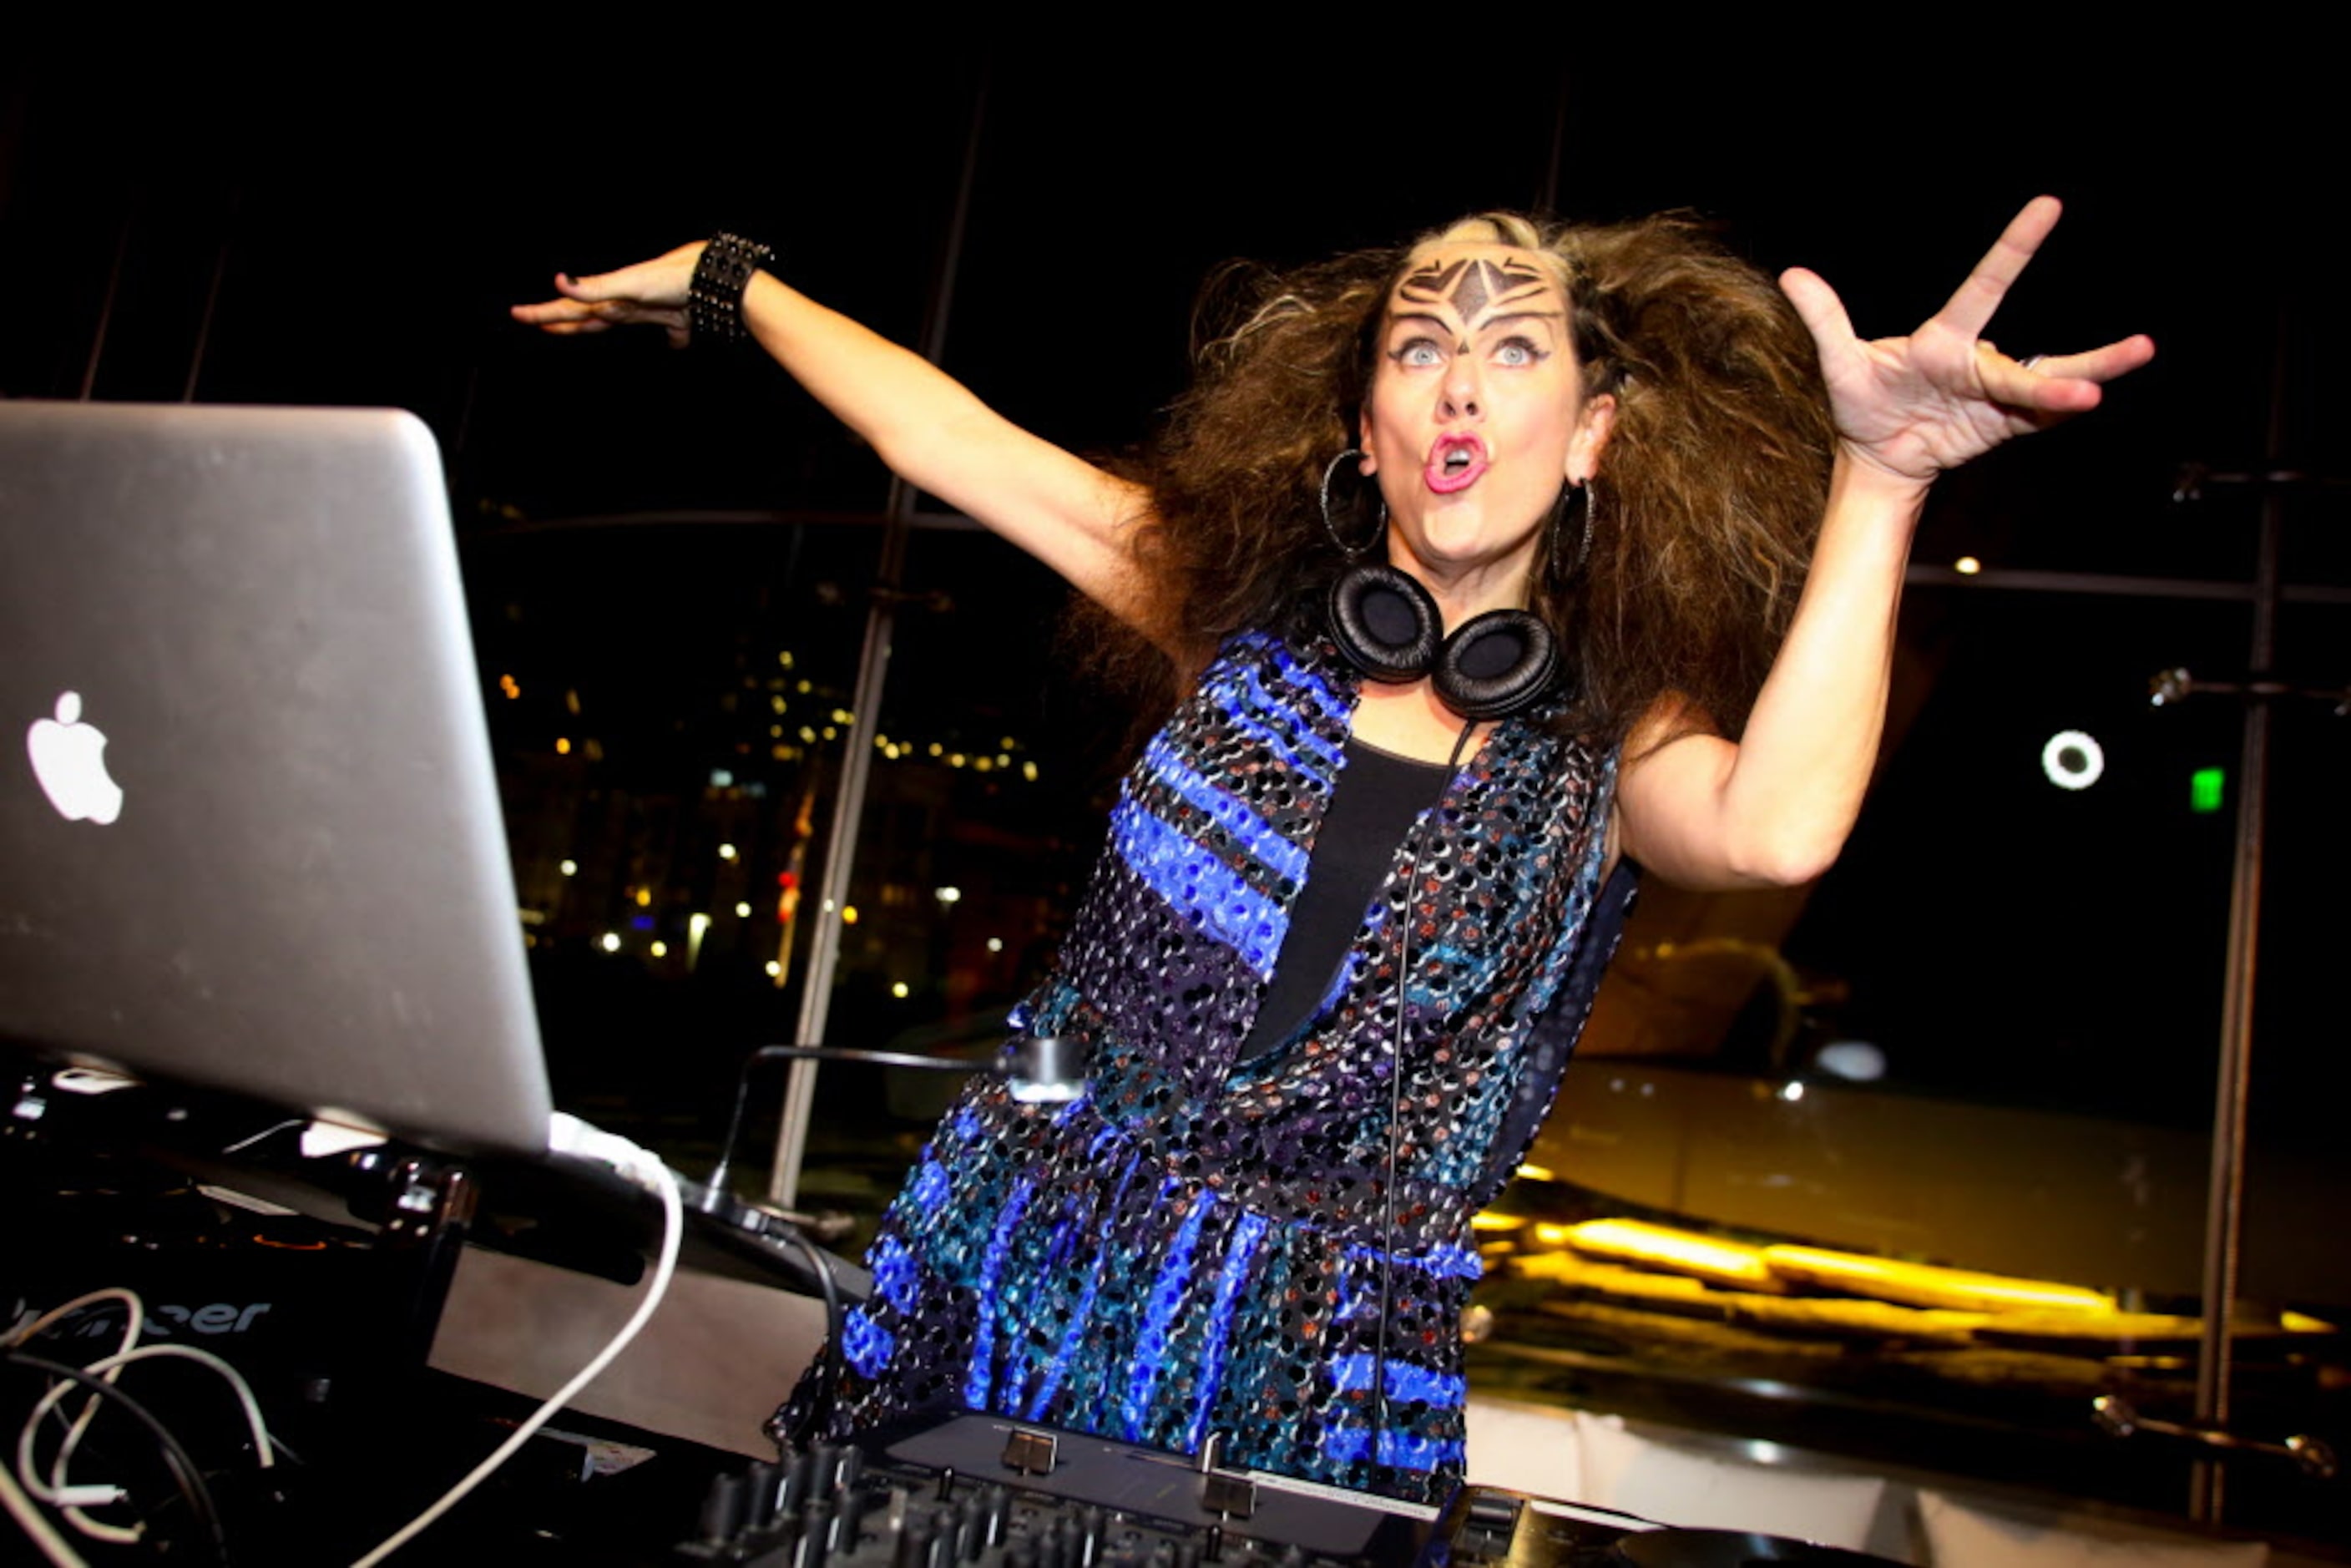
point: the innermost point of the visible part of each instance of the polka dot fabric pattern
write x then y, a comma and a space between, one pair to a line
1198, 1246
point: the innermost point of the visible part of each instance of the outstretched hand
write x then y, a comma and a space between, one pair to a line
1917, 405
652, 291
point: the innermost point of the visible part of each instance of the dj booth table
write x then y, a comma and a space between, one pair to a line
384, 1349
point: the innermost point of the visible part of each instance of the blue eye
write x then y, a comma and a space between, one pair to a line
1419, 353
1518, 351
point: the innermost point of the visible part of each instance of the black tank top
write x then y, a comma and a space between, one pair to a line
1378, 796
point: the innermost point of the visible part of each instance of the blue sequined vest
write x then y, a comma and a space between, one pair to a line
1198, 1246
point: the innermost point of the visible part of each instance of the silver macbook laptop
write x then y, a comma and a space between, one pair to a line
249, 828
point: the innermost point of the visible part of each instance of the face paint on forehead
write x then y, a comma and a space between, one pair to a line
1471, 284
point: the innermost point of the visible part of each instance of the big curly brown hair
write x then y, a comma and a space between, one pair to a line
1710, 490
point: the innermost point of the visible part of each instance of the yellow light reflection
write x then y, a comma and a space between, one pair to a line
563, 746
848, 914
1925, 1285
1662, 1247
659, 949
899, 990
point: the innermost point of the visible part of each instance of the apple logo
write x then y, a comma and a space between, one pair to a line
69, 760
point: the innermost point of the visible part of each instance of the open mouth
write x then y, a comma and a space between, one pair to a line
1455, 463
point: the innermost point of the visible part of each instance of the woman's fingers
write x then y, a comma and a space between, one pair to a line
1969, 309
652, 291
591, 305
2059, 383
2100, 364
628, 283
1818, 307
553, 314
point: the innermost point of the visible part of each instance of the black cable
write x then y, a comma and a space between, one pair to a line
1395, 1115
720, 1171
829, 1381
184, 1473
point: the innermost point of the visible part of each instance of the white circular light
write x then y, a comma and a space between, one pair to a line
570, 868
612, 942
743, 912
1855, 1061
2073, 761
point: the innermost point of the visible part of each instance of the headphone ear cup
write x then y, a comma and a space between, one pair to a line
1384, 622
1495, 663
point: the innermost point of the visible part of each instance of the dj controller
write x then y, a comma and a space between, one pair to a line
982, 1490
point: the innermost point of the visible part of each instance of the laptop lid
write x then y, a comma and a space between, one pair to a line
249, 825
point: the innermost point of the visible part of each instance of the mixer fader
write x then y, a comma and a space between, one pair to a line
980, 1490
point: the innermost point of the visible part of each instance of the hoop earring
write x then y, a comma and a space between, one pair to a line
1330, 523
1583, 501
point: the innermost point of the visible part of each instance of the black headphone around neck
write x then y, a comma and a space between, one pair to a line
1493, 665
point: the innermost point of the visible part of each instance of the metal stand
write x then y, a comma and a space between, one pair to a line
872, 670
2224, 1195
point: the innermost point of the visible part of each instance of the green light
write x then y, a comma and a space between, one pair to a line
2204, 790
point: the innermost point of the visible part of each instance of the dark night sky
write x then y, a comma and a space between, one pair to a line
382, 211
377, 215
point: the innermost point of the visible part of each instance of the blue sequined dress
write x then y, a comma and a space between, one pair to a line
1196, 1246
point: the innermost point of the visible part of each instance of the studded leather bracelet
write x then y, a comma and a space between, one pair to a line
713, 306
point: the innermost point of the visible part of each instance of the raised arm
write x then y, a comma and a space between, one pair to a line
927, 426
1774, 808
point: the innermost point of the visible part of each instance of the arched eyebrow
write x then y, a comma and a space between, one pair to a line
1434, 323
1470, 284
1440, 326
1491, 322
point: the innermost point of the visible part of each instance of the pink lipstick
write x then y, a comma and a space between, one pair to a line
1455, 463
